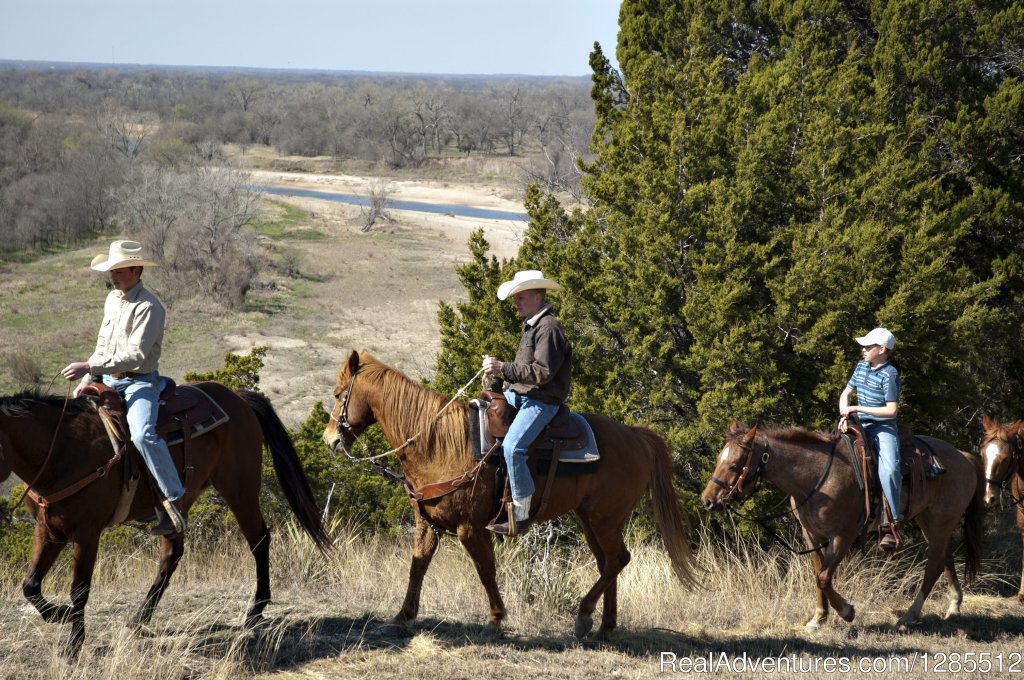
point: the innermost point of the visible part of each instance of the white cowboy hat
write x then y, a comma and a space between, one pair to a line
526, 280
878, 336
122, 254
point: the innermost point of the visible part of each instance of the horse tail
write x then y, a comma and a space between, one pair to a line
668, 512
288, 468
974, 526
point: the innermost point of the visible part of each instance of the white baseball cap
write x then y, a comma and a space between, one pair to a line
878, 336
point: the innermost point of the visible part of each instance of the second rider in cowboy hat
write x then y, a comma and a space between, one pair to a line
536, 382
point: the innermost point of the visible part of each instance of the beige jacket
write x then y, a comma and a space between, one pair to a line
131, 334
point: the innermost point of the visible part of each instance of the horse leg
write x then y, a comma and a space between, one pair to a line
478, 544
171, 550
939, 555
424, 547
45, 551
821, 605
84, 558
826, 569
241, 493
609, 611
1019, 488
616, 556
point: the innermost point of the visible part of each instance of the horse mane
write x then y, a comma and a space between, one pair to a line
417, 409
21, 404
798, 435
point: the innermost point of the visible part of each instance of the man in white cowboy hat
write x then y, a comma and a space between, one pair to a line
536, 382
126, 358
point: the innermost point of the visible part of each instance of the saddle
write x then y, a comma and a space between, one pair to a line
567, 438
917, 464
185, 412
568, 433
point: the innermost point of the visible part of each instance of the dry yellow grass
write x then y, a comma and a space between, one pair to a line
330, 617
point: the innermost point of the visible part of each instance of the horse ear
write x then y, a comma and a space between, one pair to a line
987, 422
353, 362
734, 427
751, 433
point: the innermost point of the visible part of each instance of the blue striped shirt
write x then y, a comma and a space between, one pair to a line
875, 387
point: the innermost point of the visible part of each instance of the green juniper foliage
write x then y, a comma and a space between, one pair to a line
770, 179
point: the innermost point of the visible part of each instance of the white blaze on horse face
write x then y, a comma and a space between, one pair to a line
724, 456
990, 455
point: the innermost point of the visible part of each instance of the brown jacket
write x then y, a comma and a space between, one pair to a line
542, 368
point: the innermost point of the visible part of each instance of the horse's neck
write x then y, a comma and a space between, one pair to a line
426, 457
34, 446
795, 468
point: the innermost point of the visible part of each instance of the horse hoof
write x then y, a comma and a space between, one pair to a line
492, 631
848, 613
254, 621
812, 626
584, 624
954, 610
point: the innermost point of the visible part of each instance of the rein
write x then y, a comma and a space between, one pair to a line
428, 492
766, 517
27, 487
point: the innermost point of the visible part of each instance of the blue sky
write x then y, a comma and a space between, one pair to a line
534, 37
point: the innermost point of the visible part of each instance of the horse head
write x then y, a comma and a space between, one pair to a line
735, 472
1001, 449
352, 413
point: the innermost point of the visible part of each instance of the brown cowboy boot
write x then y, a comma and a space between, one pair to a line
514, 526
887, 537
171, 520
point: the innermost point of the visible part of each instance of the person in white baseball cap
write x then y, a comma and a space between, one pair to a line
127, 359
877, 385
536, 383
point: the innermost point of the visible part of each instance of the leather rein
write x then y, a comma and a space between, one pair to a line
742, 474
427, 492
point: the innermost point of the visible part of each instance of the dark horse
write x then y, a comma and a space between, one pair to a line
1002, 454
824, 494
633, 459
229, 457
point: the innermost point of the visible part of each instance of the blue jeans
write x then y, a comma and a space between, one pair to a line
883, 436
533, 416
142, 399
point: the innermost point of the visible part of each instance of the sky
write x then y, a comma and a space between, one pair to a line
530, 37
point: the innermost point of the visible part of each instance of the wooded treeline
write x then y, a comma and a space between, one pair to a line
76, 144
772, 179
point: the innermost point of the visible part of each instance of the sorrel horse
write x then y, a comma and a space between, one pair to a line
1002, 455
229, 457
439, 454
825, 496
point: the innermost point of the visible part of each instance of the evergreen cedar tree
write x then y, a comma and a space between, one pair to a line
768, 181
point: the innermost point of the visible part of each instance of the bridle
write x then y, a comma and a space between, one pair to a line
743, 472
1015, 464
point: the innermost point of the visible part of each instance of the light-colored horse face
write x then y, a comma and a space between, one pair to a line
351, 414
997, 454
722, 487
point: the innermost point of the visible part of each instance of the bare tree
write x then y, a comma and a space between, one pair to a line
376, 207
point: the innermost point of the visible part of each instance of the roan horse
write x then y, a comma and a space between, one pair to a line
1002, 454
53, 445
440, 455
829, 504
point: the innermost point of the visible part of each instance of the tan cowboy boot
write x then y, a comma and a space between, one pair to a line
519, 522
172, 521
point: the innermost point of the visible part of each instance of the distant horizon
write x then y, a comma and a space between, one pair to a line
25, 63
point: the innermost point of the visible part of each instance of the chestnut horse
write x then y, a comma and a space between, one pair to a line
53, 444
1002, 455
824, 494
435, 452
